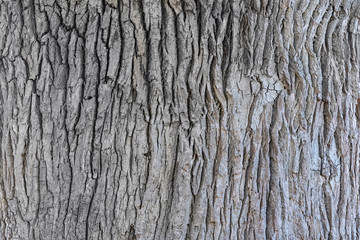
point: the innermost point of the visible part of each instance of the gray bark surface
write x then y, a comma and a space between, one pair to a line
179, 119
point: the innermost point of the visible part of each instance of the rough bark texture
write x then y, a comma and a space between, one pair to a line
179, 119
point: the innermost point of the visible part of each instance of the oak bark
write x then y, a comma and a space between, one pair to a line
179, 119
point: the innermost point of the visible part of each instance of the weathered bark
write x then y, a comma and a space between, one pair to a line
179, 119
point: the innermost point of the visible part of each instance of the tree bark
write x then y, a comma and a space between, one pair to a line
179, 119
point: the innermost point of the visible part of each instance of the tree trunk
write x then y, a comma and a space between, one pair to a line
179, 119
